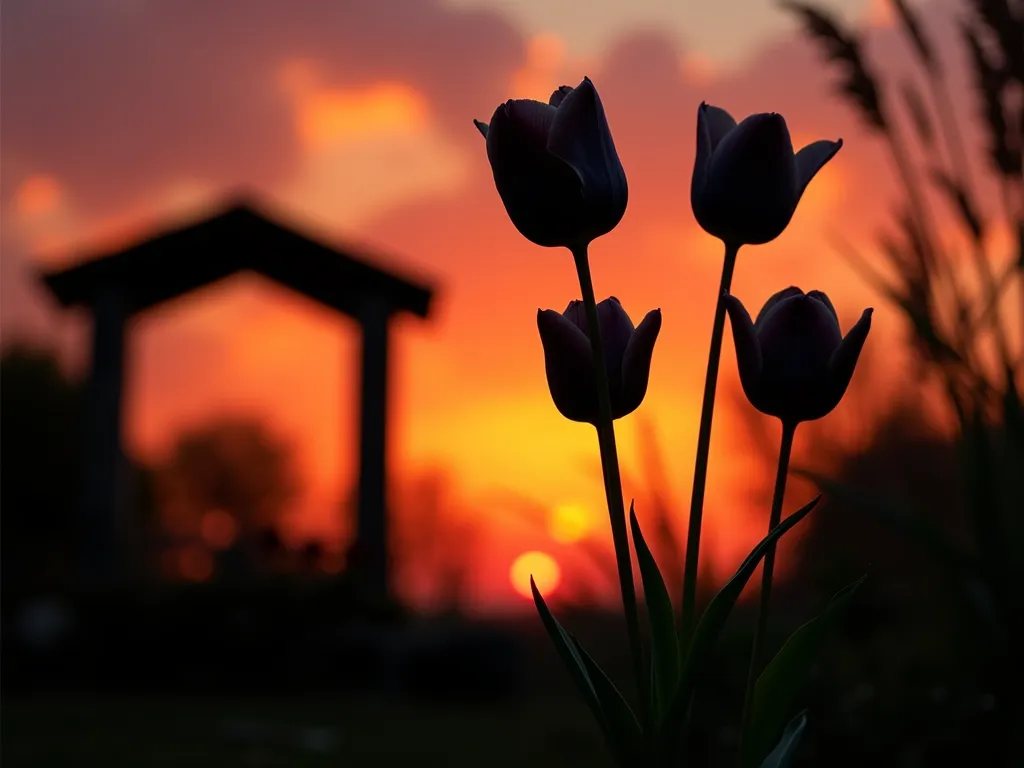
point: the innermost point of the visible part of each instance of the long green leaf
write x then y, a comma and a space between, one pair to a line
570, 657
782, 755
706, 636
664, 644
785, 675
623, 732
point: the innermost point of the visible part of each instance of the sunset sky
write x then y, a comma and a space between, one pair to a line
356, 118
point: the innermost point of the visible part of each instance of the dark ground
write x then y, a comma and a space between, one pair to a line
135, 731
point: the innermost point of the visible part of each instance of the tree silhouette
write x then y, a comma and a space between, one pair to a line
226, 488
41, 452
39, 463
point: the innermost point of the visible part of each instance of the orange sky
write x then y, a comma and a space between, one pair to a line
360, 122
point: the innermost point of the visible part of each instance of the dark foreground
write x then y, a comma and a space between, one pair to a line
136, 731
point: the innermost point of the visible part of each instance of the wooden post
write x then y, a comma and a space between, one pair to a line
103, 491
371, 542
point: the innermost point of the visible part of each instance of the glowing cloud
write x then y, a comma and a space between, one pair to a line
334, 116
366, 148
545, 54
699, 68
38, 195
879, 14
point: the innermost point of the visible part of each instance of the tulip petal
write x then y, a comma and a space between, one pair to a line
748, 350
533, 119
616, 332
481, 126
713, 123
559, 95
820, 296
717, 123
797, 339
772, 302
811, 159
579, 132
636, 364
568, 364
844, 359
576, 313
581, 138
541, 193
749, 194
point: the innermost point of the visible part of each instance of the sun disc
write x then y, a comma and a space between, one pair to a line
541, 566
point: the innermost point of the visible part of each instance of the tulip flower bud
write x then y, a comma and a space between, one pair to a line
568, 358
793, 361
555, 167
746, 180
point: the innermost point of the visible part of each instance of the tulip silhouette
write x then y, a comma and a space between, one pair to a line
794, 363
746, 180
568, 359
555, 167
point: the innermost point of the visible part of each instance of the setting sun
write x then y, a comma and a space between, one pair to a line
541, 566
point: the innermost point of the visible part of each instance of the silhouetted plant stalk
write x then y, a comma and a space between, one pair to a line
560, 179
767, 574
612, 479
795, 365
952, 330
700, 471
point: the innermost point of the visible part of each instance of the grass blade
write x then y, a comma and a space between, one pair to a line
781, 681
782, 755
706, 636
623, 730
664, 644
570, 656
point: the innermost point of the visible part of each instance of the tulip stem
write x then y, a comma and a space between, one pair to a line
700, 472
613, 482
761, 630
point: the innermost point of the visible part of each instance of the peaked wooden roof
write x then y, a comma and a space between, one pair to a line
239, 238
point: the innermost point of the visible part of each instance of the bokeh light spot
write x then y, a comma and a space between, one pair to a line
219, 529
569, 523
195, 563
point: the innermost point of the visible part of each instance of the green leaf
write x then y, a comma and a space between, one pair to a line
785, 675
567, 650
664, 645
782, 755
706, 636
623, 731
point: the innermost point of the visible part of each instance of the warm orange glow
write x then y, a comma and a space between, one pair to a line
570, 523
38, 195
879, 14
380, 163
219, 529
545, 53
334, 116
826, 193
699, 69
195, 563
542, 567
332, 562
